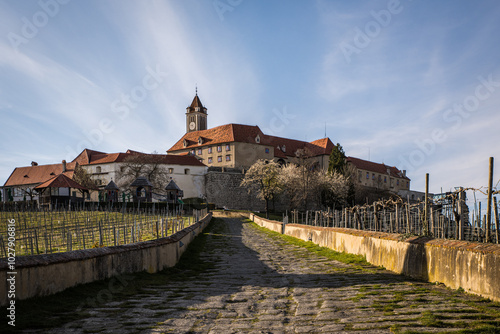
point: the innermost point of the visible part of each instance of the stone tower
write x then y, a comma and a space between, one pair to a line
196, 115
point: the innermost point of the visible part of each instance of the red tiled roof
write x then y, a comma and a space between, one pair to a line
60, 181
325, 145
38, 174
228, 133
89, 157
376, 167
85, 157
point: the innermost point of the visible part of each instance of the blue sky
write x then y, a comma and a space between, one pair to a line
415, 84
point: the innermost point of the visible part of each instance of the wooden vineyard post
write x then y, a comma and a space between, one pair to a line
496, 218
488, 211
408, 217
36, 242
396, 219
460, 214
426, 207
4, 249
83, 238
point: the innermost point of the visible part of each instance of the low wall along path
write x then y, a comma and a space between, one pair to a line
474, 267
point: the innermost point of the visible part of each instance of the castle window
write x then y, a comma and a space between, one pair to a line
228, 147
367, 175
186, 171
98, 169
170, 170
228, 158
267, 150
210, 160
373, 176
199, 151
397, 182
219, 158
192, 152
257, 139
219, 148
385, 179
209, 150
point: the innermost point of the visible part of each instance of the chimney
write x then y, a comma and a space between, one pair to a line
64, 166
34, 163
404, 172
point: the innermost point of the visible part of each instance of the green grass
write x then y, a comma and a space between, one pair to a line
312, 247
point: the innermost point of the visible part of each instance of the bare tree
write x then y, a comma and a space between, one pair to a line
84, 178
28, 190
308, 186
263, 179
151, 166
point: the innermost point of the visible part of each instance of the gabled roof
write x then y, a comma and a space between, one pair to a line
323, 146
86, 156
89, 157
60, 181
240, 133
376, 167
37, 174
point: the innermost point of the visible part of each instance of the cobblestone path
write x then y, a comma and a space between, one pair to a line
262, 284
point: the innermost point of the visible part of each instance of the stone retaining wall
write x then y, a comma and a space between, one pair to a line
42, 275
230, 214
475, 267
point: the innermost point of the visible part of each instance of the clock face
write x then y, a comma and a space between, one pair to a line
192, 125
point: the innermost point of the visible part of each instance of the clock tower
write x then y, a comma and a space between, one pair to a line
196, 115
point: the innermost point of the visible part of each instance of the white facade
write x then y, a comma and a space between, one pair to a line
191, 179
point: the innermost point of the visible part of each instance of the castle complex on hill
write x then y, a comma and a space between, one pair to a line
200, 163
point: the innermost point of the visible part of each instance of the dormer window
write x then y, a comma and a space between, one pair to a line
185, 143
52, 173
283, 148
200, 140
197, 109
26, 175
257, 139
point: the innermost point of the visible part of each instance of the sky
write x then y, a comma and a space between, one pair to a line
412, 84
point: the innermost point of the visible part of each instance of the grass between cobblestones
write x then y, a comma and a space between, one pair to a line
472, 314
312, 247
